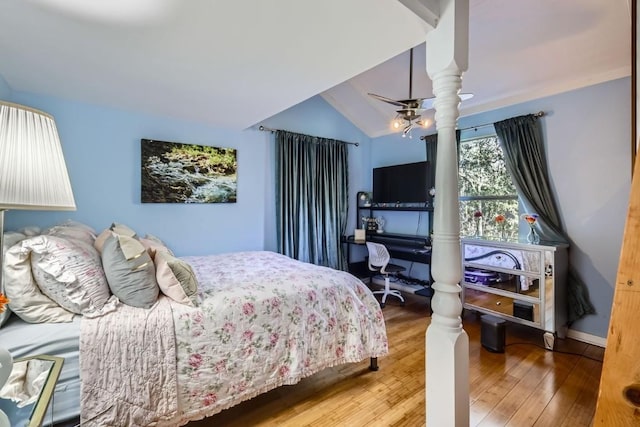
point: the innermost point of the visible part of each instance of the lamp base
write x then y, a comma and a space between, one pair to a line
4, 420
6, 365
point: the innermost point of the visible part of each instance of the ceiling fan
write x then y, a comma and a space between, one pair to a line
411, 110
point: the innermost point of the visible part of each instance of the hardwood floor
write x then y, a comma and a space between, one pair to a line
525, 386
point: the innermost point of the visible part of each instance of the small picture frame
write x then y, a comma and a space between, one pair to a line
364, 199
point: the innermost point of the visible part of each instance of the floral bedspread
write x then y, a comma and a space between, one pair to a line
265, 320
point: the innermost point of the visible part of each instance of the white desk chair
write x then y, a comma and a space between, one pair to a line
379, 262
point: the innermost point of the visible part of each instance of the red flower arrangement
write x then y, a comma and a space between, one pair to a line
500, 219
530, 218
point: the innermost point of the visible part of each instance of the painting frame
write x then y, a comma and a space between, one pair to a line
176, 172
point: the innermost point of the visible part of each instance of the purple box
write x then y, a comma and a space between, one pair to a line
480, 277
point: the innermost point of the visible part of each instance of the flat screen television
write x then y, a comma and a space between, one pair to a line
406, 183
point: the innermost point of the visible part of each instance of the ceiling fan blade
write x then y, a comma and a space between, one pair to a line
427, 103
413, 103
388, 100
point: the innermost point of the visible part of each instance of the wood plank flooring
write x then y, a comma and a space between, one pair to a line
525, 386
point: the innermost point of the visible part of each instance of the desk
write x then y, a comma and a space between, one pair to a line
400, 246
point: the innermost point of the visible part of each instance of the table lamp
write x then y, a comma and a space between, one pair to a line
33, 174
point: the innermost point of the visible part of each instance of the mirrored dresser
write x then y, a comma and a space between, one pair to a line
519, 282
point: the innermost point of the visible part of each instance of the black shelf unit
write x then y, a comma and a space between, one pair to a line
408, 247
362, 206
397, 208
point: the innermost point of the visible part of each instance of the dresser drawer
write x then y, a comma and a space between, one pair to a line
515, 283
515, 259
523, 311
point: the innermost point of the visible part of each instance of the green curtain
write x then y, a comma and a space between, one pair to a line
311, 198
521, 142
431, 142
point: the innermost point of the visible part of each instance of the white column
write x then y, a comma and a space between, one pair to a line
447, 344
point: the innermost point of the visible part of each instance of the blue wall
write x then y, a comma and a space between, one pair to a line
587, 134
5, 90
102, 151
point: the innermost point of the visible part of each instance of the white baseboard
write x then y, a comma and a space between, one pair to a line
587, 338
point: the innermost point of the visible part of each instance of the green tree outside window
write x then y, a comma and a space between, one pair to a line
486, 186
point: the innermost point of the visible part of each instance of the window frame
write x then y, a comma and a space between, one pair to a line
512, 223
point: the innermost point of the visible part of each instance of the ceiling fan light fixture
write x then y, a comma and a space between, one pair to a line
407, 130
410, 113
424, 123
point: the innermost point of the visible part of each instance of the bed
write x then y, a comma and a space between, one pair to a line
256, 320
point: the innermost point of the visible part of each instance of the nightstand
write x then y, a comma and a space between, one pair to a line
47, 371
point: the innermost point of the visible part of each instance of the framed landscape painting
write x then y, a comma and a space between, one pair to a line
173, 172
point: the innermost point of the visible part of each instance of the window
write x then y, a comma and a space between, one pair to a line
485, 186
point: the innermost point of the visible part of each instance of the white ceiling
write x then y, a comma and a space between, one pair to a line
233, 64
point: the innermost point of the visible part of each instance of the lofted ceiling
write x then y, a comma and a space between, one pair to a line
232, 64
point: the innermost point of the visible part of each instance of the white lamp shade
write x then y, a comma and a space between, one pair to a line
33, 174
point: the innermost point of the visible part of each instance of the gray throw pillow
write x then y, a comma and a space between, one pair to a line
132, 279
176, 279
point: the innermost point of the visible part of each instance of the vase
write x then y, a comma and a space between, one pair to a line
503, 232
533, 237
477, 233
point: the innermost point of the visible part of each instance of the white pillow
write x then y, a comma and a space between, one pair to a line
69, 272
10, 238
27, 301
101, 238
73, 230
154, 246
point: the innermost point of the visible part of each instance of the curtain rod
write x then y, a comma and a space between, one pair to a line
538, 114
266, 129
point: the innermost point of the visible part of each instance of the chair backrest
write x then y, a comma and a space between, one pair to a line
378, 256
